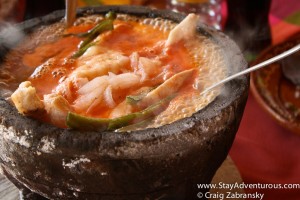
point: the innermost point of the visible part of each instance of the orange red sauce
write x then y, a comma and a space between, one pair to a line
127, 37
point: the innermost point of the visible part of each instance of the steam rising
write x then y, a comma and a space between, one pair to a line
10, 35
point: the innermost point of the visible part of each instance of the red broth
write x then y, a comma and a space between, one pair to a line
48, 65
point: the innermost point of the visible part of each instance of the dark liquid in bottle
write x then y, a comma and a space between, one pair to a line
248, 24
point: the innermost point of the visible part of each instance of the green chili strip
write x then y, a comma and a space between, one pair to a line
104, 25
134, 99
111, 15
80, 122
81, 35
82, 50
76, 121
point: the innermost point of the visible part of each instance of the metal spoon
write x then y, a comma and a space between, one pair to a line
255, 67
70, 15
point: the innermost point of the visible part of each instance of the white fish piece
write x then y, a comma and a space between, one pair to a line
79, 82
185, 30
110, 74
169, 87
92, 96
65, 88
95, 103
102, 89
108, 97
94, 50
124, 81
93, 85
57, 108
134, 61
148, 67
26, 99
100, 65
121, 109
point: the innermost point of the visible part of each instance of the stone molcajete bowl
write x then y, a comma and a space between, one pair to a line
160, 163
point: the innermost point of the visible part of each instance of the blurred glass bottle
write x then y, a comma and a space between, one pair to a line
248, 25
38, 8
208, 10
